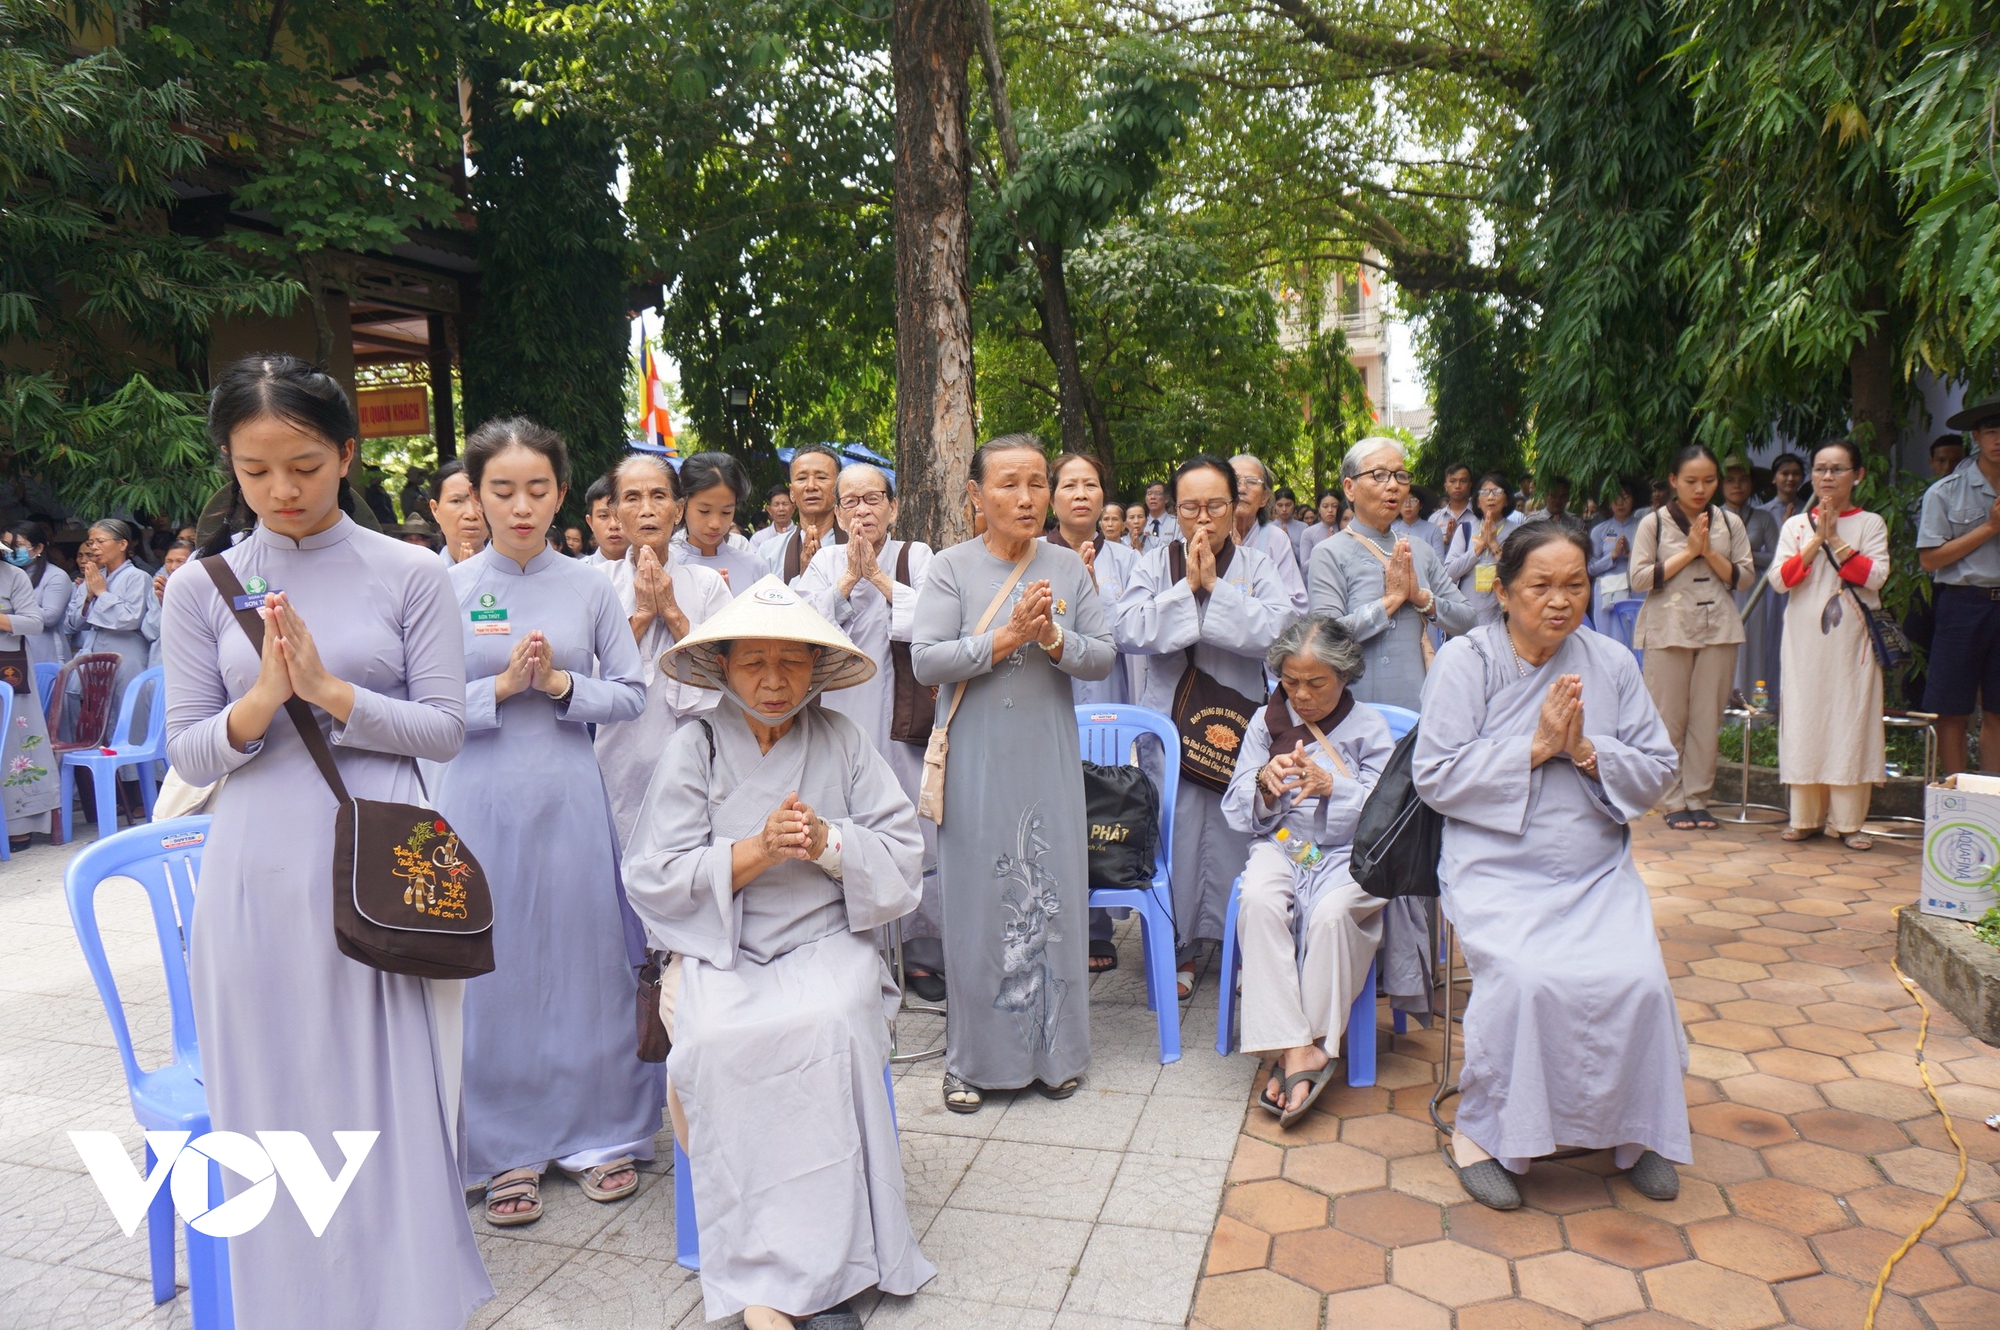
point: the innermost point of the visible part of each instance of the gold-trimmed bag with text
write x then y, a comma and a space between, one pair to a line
408, 896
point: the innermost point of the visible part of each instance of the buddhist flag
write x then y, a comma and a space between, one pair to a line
654, 425
1361, 276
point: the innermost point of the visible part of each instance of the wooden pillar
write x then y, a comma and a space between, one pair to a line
444, 426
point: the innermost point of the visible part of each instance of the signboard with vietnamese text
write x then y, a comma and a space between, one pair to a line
388, 412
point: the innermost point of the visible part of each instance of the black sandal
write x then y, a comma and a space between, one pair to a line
1682, 820
1703, 819
1106, 951
1062, 1091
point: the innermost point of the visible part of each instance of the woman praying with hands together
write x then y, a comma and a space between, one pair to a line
1540, 747
296, 1036
663, 598
551, 1071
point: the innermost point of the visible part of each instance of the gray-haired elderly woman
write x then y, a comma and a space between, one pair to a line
1383, 589
1307, 932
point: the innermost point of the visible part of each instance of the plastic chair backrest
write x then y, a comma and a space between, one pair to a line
45, 680
1400, 719
97, 672
155, 736
1627, 610
1107, 735
164, 858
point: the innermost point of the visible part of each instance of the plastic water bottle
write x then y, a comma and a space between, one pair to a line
1301, 852
1760, 699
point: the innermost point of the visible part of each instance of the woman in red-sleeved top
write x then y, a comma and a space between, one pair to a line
1830, 739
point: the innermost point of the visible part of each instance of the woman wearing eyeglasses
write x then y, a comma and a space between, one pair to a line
1473, 556
1832, 558
1207, 604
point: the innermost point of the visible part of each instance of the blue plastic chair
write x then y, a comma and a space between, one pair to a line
45, 678
164, 858
1107, 735
687, 1235
1624, 619
1361, 1016
124, 750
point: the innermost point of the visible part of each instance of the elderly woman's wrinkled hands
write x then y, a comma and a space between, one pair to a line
790, 830
1028, 623
1562, 708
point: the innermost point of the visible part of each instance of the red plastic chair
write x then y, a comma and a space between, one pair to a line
97, 676
97, 681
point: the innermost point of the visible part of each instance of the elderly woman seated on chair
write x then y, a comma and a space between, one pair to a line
774, 838
1306, 931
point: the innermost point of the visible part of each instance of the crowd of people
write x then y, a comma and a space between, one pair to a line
770, 747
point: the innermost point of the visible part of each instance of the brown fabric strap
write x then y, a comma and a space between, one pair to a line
1013, 579
1177, 560
224, 577
795, 546
903, 564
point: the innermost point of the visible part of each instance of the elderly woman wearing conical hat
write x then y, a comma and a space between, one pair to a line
773, 839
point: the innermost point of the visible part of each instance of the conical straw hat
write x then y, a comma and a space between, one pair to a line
769, 609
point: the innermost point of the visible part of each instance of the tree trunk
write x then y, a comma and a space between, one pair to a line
1871, 373
1078, 413
929, 49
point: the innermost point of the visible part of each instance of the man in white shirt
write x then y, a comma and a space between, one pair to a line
1159, 529
778, 507
1456, 510
815, 473
602, 516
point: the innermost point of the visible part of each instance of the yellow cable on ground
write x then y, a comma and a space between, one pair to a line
1923, 1070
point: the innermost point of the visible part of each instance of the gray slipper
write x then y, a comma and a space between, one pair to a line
1654, 1178
833, 1318
1316, 1079
1487, 1183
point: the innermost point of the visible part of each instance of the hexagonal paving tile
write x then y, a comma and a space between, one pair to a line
1624, 1238
1581, 1287
1451, 1274
1707, 1295
1757, 1250
1328, 1260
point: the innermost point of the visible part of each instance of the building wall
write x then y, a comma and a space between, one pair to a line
230, 340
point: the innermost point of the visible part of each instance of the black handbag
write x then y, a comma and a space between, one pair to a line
1122, 809
408, 895
1399, 837
1210, 715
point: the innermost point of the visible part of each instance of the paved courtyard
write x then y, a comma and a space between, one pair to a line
1095, 1212
1153, 1195
1816, 1149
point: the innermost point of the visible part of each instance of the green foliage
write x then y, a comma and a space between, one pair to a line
343, 113
1474, 351
1793, 245
1946, 165
102, 306
758, 136
1988, 928
1606, 166
550, 341
1183, 356
1075, 180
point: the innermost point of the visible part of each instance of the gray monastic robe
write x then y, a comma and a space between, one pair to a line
872, 623
1572, 1038
628, 750
1159, 619
1012, 859
1275, 544
1345, 581
30, 783
781, 1030
1112, 564
550, 1067
294, 1035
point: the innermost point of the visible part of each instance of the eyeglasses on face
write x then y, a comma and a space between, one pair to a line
1490, 492
1381, 477
1828, 472
1193, 508
872, 499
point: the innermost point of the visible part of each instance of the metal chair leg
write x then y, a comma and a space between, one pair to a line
896, 1055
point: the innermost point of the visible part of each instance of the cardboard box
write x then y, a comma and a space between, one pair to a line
1961, 878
